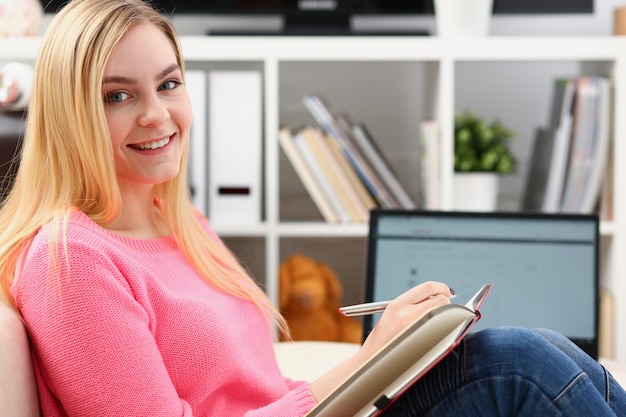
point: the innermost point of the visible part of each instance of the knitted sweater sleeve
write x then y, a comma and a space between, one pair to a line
94, 344
92, 340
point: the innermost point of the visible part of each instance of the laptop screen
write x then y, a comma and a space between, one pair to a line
543, 267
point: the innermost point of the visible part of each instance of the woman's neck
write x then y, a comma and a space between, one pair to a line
139, 218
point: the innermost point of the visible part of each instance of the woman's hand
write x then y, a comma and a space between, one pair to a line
404, 310
398, 314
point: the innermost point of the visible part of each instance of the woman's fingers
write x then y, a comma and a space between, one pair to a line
425, 291
404, 309
413, 304
433, 301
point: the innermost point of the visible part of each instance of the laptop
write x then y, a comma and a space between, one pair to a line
517, 252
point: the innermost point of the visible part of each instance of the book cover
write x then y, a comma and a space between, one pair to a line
402, 361
606, 204
585, 121
285, 139
329, 124
338, 179
356, 183
365, 141
365, 166
339, 184
430, 164
319, 176
599, 148
562, 121
539, 170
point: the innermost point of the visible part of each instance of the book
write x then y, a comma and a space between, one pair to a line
330, 124
285, 139
377, 159
605, 208
599, 152
358, 186
336, 176
607, 323
589, 147
430, 164
368, 168
319, 176
580, 118
584, 115
561, 118
402, 361
539, 172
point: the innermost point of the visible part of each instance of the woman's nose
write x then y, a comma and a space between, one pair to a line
153, 111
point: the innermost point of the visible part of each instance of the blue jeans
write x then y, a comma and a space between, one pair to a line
511, 371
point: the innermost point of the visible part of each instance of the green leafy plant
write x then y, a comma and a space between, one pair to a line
482, 147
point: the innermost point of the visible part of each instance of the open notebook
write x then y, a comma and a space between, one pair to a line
402, 361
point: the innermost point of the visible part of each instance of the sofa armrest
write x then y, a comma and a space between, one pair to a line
18, 389
308, 360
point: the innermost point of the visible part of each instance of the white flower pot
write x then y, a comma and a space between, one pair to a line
461, 18
476, 191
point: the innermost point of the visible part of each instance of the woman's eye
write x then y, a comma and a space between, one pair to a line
169, 85
117, 97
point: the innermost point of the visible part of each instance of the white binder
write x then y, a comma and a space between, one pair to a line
196, 81
235, 147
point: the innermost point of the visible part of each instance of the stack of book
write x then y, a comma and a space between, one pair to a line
569, 159
341, 166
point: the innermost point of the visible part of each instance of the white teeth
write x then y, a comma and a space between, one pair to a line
153, 145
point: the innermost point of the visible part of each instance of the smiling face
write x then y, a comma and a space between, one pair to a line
147, 107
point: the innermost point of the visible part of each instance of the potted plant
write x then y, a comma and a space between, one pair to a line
481, 154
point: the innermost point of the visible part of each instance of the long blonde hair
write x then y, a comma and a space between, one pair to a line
67, 160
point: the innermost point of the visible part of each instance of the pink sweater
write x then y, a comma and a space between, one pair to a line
131, 330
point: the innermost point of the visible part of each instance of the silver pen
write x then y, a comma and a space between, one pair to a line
366, 309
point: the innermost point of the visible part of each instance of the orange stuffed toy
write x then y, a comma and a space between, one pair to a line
309, 300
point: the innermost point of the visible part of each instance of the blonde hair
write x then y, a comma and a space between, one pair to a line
67, 159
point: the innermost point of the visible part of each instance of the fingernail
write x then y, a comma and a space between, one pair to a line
452, 290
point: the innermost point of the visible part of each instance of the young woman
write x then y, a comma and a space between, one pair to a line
133, 305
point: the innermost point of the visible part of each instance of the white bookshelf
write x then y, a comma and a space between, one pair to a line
443, 58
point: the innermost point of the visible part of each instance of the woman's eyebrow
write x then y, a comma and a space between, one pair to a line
168, 70
127, 80
118, 79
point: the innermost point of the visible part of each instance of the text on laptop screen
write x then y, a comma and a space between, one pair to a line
543, 267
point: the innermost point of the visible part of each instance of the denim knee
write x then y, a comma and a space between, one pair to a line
504, 372
521, 352
602, 380
554, 367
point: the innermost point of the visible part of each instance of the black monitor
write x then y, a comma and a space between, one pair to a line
331, 17
544, 267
